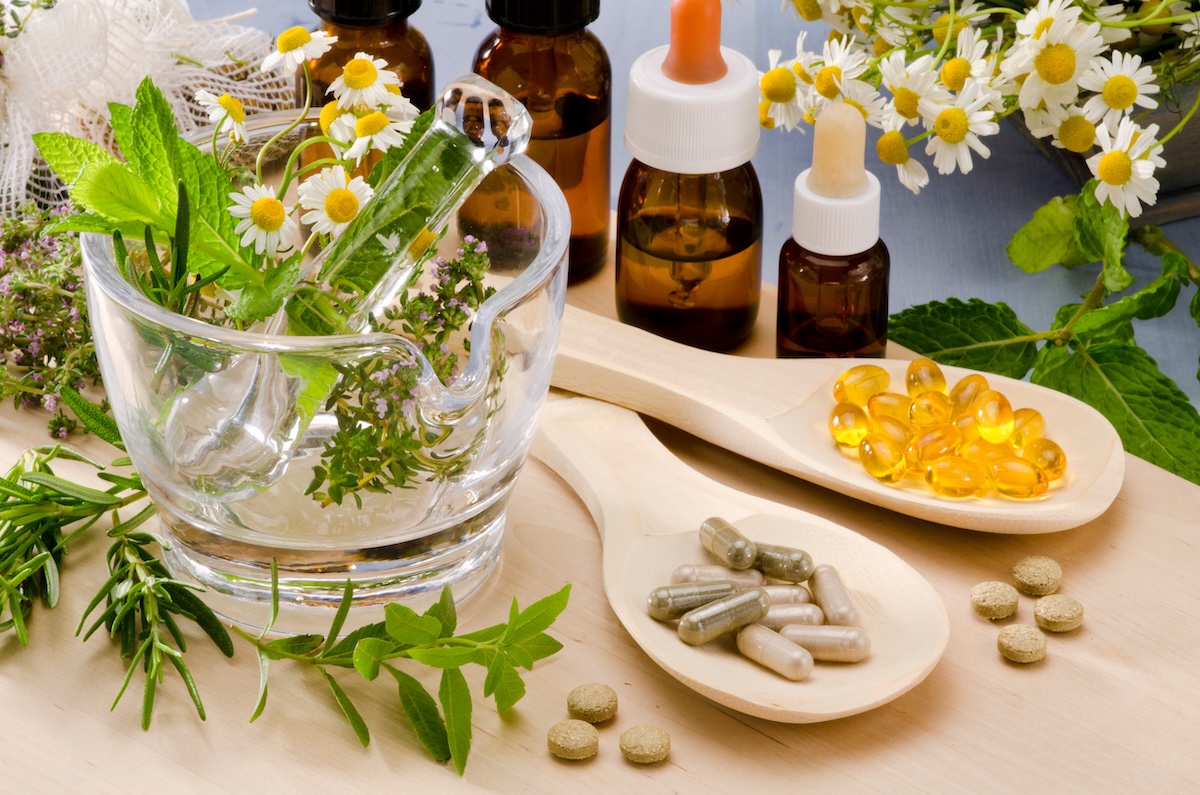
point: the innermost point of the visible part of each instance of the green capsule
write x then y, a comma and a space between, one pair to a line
672, 601
784, 563
714, 619
725, 542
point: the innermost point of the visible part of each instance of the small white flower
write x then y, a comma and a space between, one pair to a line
893, 149
1039, 18
1108, 14
970, 60
225, 111
1119, 83
780, 86
332, 200
957, 128
265, 221
866, 100
363, 81
909, 84
374, 130
1125, 165
297, 45
1190, 33
842, 62
1075, 133
1053, 62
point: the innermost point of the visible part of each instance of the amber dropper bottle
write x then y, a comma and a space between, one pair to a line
379, 28
833, 271
689, 217
543, 54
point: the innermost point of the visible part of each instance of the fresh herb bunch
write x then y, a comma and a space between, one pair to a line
427, 639
15, 13
45, 341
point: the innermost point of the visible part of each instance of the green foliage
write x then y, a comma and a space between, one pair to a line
429, 639
971, 334
1048, 238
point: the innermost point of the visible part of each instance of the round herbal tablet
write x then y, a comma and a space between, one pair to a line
573, 739
1022, 643
1037, 575
593, 703
1058, 613
645, 744
994, 600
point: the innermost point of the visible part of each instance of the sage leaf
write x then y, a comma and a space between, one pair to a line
348, 709
422, 713
1048, 238
1100, 234
456, 705
369, 653
972, 334
446, 656
406, 627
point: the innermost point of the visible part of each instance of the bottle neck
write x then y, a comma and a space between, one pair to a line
348, 35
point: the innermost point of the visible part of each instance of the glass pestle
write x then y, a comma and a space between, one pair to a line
233, 431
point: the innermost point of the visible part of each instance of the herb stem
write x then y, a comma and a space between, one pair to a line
1093, 299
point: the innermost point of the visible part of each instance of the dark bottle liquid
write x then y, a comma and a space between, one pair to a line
832, 306
689, 254
564, 79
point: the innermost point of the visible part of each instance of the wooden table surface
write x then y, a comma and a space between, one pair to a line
1114, 707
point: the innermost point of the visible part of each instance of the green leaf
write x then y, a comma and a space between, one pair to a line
120, 118
202, 614
93, 417
1154, 418
972, 334
504, 683
215, 244
264, 670
152, 145
114, 191
446, 656
492, 633
444, 611
69, 156
1048, 238
406, 627
256, 302
1154, 300
347, 644
70, 489
455, 698
519, 656
541, 614
394, 156
293, 645
1100, 234
421, 711
339, 618
348, 709
540, 646
369, 653
190, 683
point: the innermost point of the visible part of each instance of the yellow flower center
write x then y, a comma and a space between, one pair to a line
341, 205
1115, 168
1150, 10
359, 73
955, 73
267, 214
329, 114
942, 29
828, 82
802, 73
881, 47
951, 125
905, 101
233, 107
1055, 63
862, 20
370, 124
892, 149
1077, 134
809, 10
293, 39
856, 106
779, 85
1042, 27
1119, 92
764, 115
809, 118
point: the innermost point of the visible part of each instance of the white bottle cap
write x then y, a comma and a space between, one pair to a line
835, 227
687, 128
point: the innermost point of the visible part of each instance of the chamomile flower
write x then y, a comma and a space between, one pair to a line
957, 128
893, 149
1039, 18
963, 15
842, 62
866, 100
363, 81
265, 221
779, 87
1054, 62
970, 60
1044, 120
1076, 132
909, 84
374, 130
809, 10
1108, 15
1190, 33
1125, 165
332, 200
225, 111
297, 45
1119, 83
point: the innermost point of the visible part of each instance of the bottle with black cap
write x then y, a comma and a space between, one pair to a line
544, 55
377, 27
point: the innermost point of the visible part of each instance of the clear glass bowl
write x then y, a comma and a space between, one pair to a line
400, 546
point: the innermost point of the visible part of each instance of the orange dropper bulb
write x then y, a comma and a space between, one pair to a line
839, 138
695, 53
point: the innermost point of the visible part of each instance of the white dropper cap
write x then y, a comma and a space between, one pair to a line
693, 106
836, 204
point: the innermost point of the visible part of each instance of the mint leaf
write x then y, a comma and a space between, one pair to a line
90, 222
456, 706
1048, 238
215, 244
1100, 233
422, 713
1154, 418
973, 334
504, 683
1154, 300
68, 156
256, 302
113, 191
444, 611
395, 156
446, 656
538, 617
152, 143
120, 118
406, 627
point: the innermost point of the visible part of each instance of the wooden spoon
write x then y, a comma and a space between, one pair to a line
648, 507
775, 411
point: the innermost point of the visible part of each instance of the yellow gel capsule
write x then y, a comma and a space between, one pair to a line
858, 384
954, 476
898, 431
962, 397
924, 376
1018, 477
932, 443
993, 416
848, 424
982, 451
882, 458
930, 408
1028, 424
967, 428
889, 404
1048, 457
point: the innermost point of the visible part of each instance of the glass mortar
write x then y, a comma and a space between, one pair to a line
401, 546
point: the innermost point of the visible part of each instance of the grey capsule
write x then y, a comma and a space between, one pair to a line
701, 572
672, 601
771, 650
781, 615
784, 563
724, 615
728, 545
829, 592
830, 643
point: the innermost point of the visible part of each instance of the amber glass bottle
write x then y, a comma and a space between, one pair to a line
543, 54
377, 27
689, 254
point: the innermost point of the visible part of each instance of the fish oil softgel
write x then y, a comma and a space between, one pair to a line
961, 441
